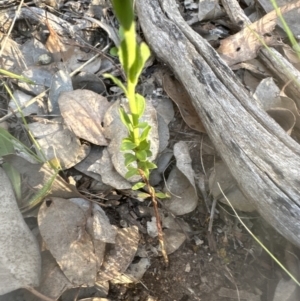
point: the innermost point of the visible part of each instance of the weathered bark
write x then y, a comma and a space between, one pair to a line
264, 160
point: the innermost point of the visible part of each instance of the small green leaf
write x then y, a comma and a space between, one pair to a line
123, 55
140, 104
129, 158
131, 172
162, 195
142, 55
124, 12
143, 195
141, 155
149, 153
150, 165
131, 135
142, 125
144, 145
145, 133
146, 173
144, 52
126, 119
116, 81
127, 145
138, 185
128, 139
113, 51
121, 33
55, 164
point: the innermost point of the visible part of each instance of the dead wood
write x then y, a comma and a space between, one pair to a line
245, 44
275, 62
261, 156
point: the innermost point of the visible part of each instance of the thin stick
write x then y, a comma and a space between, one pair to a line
201, 185
33, 100
212, 213
38, 294
25, 105
201, 156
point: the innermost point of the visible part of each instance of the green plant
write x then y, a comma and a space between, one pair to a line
16, 76
136, 146
7, 147
133, 58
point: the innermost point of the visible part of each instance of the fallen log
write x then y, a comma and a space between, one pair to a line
263, 159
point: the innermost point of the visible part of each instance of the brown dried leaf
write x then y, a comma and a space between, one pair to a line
62, 226
11, 56
284, 117
179, 95
53, 280
254, 66
57, 141
83, 112
59, 50
109, 174
271, 99
120, 255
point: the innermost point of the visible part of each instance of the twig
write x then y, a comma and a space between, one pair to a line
200, 181
212, 213
25, 105
38, 294
201, 156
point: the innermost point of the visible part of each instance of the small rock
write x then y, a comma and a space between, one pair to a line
187, 268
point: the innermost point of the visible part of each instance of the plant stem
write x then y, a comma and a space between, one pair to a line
133, 109
157, 216
38, 294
